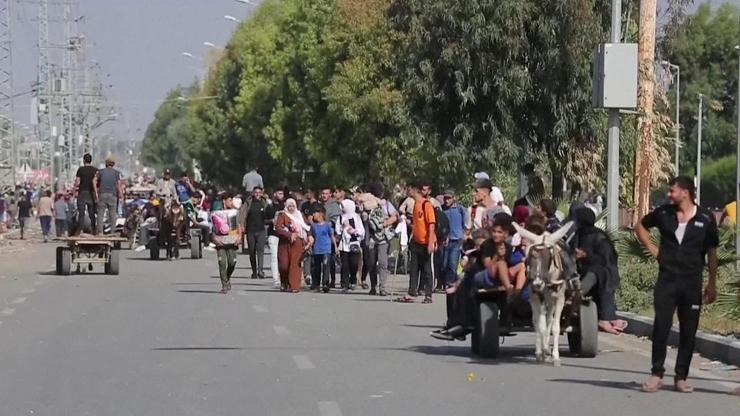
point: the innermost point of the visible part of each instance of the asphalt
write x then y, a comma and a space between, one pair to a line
160, 340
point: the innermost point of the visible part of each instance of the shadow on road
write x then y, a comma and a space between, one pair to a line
198, 349
200, 291
624, 370
513, 355
633, 385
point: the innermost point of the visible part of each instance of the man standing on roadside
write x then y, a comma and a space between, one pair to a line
277, 205
453, 246
110, 193
688, 235
422, 246
252, 220
86, 194
251, 180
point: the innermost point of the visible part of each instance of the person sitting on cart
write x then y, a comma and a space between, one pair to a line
185, 191
149, 219
597, 265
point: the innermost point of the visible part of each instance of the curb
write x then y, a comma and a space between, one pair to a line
711, 346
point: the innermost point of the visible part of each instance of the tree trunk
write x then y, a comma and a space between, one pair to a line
645, 149
557, 183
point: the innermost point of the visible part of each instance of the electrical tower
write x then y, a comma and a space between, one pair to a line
43, 96
8, 156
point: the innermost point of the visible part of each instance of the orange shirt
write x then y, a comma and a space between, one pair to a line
423, 216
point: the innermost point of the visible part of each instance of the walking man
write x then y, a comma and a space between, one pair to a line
688, 234
45, 213
60, 215
251, 180
277, 205
252, 219
227, 236
86, 193
422, 246
110, 192
24, 212
330, 201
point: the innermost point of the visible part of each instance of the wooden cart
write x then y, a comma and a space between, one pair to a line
89, 249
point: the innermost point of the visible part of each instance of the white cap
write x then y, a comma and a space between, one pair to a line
481, 175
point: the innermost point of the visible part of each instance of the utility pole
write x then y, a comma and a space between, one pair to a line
8, 151
612, 179
642, 175
698, 151
737, 163
43, 97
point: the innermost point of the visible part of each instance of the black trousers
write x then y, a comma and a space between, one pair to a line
85, 202
421, 269
350, 264
256, 245
680, 294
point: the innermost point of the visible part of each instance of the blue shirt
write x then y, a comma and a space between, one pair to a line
322, 234
183, 191
456, 218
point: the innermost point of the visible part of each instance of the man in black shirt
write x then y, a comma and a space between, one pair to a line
688, 234
24, 212
86, 193
277, 205
253, 226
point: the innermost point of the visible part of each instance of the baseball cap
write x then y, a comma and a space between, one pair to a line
483, 183
481, 175
449, 192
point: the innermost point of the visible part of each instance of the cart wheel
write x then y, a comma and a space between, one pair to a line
584, 341
153, 249
112, 266
64, 267
486, 334
195, 248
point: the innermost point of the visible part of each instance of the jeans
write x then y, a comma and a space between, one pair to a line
350, 264
85, 202
378, 263
226, 263
273, 241
681, 294
450, 259
107, 202
60, 224
45, 224
320, 269
420, 265
256, 244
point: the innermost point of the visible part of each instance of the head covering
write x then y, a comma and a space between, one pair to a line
348, 207
236, 202
449, 192
521, 212
481, 175
483, 183
296, 217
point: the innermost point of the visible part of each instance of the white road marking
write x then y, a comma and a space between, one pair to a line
259, 308
303, 362
18, 300
28, 291
7, 312
329, 409
280, 330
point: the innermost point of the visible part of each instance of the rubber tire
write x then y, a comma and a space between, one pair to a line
196, 251
112, 266
66, 261
487, 334
60, 253
584, 342
153, 249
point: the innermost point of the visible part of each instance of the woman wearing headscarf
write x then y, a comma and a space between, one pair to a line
350, 230
597, 265
292, 231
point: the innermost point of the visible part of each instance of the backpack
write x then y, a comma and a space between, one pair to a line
441, 224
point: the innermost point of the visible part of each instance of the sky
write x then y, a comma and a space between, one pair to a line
139, 45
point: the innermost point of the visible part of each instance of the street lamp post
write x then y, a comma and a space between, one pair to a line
737, 163
232, 19
678, 112
698, 151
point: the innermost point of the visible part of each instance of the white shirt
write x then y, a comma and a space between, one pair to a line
681, 229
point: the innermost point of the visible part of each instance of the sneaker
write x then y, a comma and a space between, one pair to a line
140, 248
325, 289
212, 245
427, 300
383, 293
372, 292
209, 248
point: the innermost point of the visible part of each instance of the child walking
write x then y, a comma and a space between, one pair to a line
227, 236
323, 234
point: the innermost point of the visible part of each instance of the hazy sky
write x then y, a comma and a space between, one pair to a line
139, 45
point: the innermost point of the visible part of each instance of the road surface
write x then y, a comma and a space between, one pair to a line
160, 340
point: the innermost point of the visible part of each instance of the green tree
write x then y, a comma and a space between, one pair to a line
166, 136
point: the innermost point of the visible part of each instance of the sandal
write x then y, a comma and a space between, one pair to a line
607, 327
620, 324
406, 299
652, 385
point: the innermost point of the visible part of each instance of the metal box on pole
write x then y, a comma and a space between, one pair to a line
615, 76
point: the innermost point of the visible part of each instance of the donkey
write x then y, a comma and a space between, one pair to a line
547, 278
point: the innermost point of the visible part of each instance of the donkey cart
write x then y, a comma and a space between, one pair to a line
579, 322
88, 250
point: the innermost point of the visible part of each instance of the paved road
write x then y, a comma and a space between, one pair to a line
159, 340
